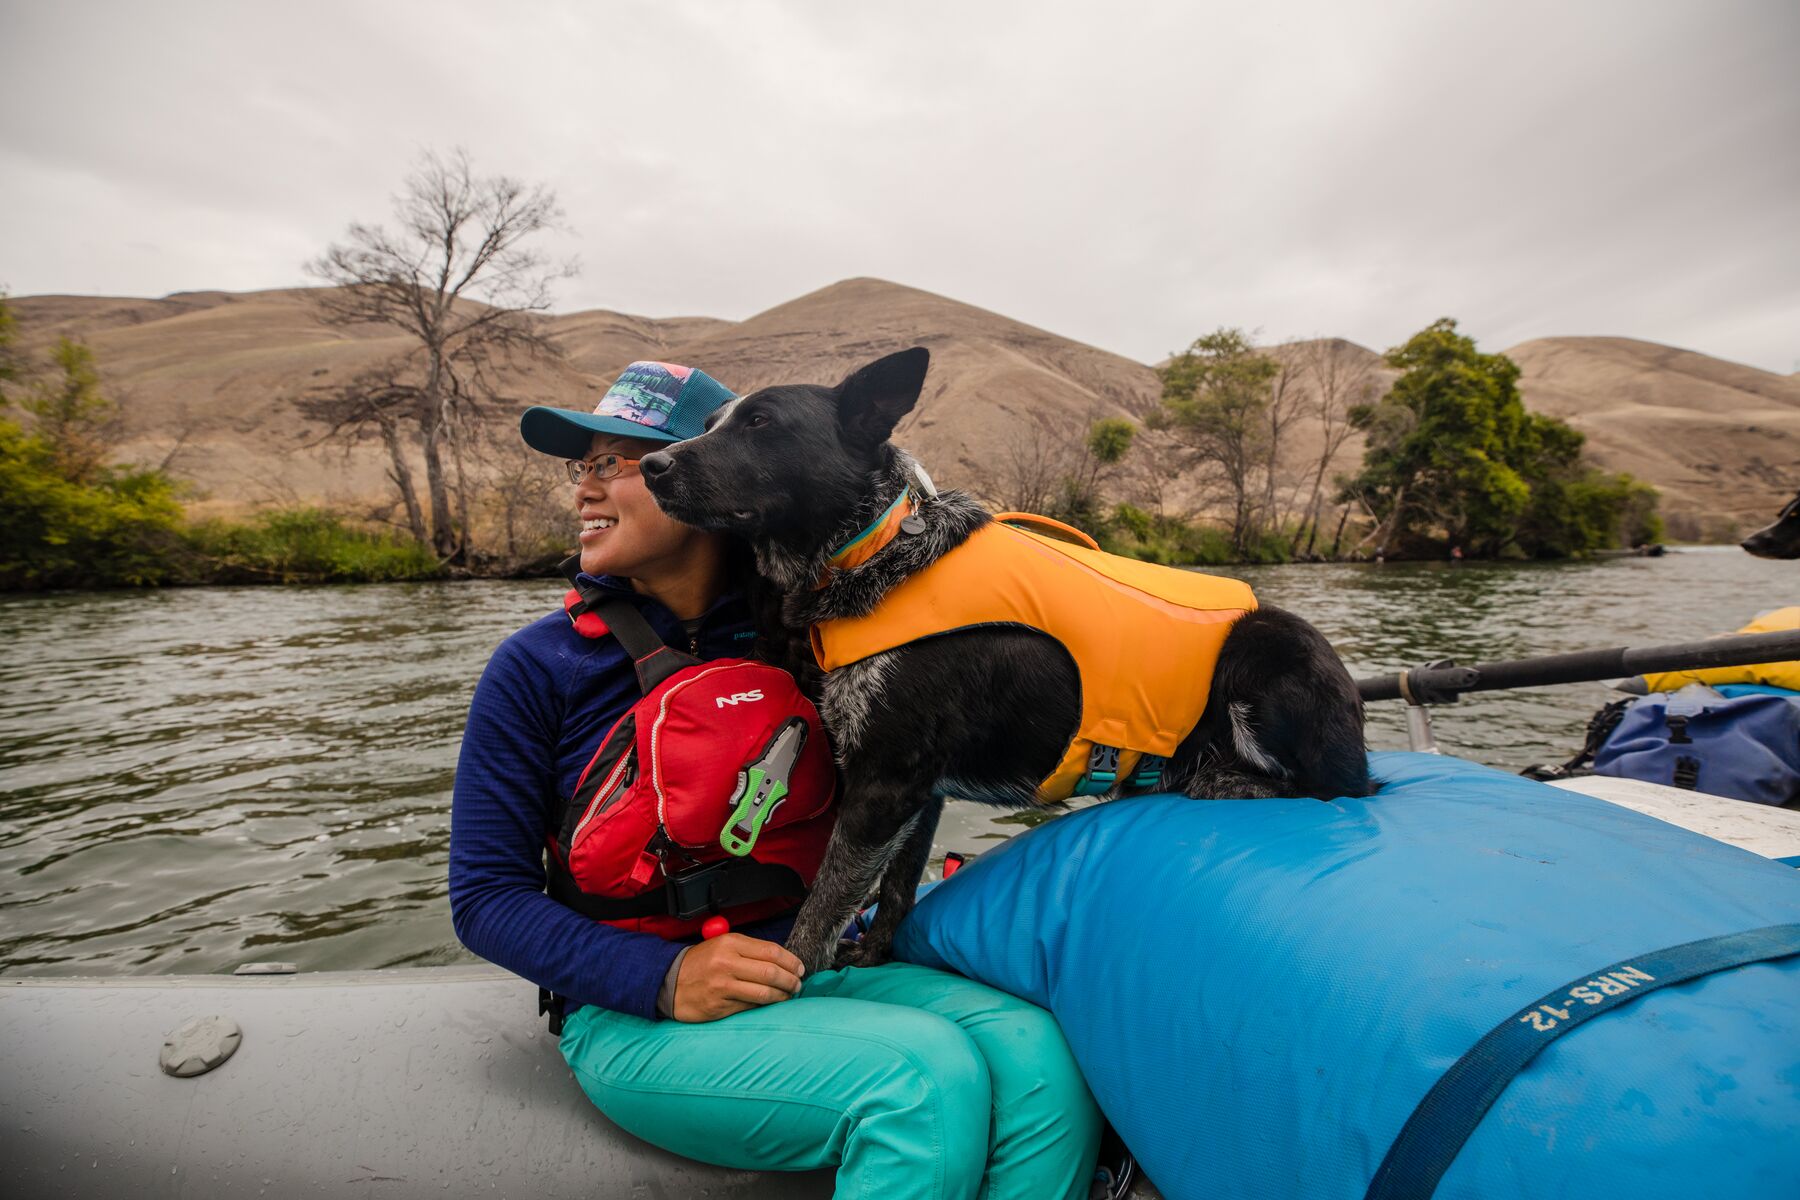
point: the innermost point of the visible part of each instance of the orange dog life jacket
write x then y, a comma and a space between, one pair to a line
1145, 639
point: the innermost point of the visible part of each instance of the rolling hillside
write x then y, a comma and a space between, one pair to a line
208, 382
1720, 439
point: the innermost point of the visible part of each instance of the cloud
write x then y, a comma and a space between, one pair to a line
1129, 175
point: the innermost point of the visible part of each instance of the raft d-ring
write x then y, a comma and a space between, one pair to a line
198, 1045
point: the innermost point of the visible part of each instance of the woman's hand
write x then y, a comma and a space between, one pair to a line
731, 973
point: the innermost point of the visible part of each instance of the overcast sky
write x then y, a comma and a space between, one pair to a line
1127, 174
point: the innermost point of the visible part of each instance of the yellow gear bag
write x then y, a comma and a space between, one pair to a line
1145, 639
1775, 674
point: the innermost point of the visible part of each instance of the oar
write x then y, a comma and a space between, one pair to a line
1443, 682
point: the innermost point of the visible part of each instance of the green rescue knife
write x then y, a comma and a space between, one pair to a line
761, 787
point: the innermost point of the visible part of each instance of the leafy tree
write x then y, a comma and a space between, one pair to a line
66, 517
1582, 509
1453, 455
10, 364
457, 277
1109, 440
117, 527
1215, 403
73, 417
1440, 441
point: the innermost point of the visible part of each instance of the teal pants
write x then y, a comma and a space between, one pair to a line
914, 1083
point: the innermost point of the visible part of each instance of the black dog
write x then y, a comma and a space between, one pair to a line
982, 714
1781, 539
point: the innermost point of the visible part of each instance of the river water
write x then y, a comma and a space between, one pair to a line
193, 779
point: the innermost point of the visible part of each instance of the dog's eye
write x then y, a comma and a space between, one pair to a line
756, 420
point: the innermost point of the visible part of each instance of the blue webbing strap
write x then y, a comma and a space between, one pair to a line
1450, 1111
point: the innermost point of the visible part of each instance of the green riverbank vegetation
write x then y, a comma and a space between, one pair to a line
1453, 459
69, 517
1234, 464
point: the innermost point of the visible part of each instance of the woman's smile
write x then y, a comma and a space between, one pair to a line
623, 533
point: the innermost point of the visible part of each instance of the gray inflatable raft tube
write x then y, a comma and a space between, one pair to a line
436, 1081
430, 1081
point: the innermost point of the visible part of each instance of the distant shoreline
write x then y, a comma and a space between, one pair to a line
464, 575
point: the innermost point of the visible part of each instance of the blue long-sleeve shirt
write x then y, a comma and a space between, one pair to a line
546, 699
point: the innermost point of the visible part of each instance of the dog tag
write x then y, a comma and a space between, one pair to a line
912, 524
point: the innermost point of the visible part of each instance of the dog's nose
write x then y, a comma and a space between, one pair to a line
656, 463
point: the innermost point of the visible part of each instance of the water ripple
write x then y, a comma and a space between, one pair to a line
191, 779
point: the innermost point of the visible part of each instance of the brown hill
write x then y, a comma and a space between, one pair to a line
208, 382
224, 370
598, 342
1721, 440
991, 377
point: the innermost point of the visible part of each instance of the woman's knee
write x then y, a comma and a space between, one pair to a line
1046, 1124
1034, 1044
927, 1107
939, 1055
1035, 1075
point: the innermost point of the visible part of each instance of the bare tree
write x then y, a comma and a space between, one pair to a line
1063, 473
1155, 463
377, 402
181, 429
527, 498
455, 276
1096, 455
1287, 402
1031, 473
1339, 376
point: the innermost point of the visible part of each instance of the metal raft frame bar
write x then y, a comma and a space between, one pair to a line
1445, 682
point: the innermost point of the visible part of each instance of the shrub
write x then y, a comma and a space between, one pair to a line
304, 545
1170, 541
121, 527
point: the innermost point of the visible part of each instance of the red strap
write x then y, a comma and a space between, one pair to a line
644, 870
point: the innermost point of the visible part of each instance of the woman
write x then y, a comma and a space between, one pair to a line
912, 1082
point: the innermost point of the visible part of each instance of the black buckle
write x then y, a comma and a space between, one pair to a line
1687, 772
1148, 773
691, 892
1678, 734
551, 1005
1102, 771
1103, 764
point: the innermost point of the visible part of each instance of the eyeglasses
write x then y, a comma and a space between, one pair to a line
601, 466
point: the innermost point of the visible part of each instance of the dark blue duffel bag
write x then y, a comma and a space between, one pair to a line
1746, 747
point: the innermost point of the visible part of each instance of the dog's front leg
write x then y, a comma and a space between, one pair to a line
899, 888
873, 824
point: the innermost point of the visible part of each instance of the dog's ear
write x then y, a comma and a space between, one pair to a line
873, 398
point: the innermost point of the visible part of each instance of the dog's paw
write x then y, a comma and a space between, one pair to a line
861, 954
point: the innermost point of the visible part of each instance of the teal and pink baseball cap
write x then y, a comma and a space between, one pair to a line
663, 402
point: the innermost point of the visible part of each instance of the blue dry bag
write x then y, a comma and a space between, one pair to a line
1263, 994
1746, 747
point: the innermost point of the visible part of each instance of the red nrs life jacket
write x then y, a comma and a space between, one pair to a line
641, 843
